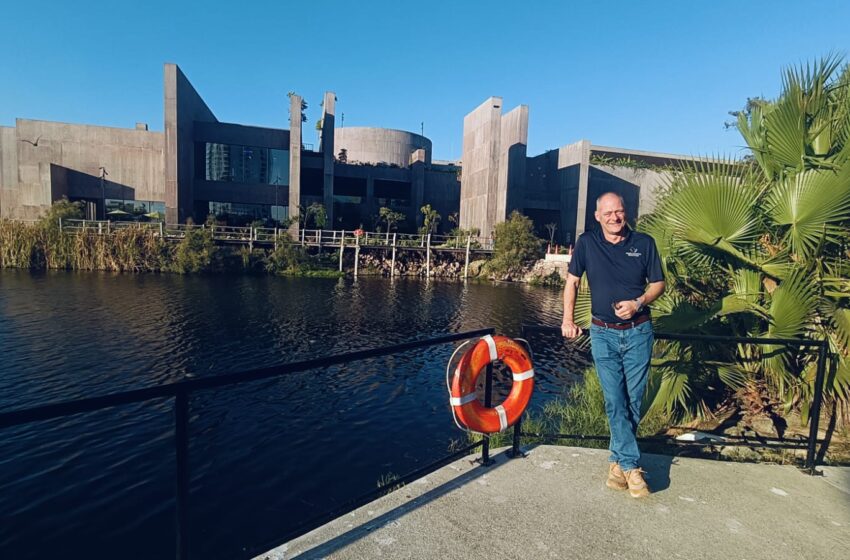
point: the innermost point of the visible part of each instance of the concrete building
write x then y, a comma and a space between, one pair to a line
559, 186
200, 166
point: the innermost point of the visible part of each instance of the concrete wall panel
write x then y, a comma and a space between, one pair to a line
512, 162
183, 107
133, 159
481, 134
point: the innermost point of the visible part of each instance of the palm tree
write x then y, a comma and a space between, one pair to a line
759, 248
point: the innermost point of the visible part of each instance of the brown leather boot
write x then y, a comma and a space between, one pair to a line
616, 478
638, 488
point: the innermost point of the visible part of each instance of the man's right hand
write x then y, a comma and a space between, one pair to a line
569, 329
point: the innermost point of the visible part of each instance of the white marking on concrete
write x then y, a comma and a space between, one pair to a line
548, 464
384, 541
686, 499
779, 491
734, 525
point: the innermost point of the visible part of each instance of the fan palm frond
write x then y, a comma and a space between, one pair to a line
811, 206
582, 311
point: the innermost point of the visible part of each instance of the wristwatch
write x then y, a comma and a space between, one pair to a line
639, 305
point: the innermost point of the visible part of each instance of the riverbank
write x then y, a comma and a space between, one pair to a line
43, 245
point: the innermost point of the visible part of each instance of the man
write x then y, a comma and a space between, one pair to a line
625, 276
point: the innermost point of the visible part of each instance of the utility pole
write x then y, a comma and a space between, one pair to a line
103, 174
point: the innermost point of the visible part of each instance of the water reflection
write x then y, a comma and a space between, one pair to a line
263, 454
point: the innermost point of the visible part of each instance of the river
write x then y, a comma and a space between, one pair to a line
264, 455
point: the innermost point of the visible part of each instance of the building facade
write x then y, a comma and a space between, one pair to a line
200, 166
557, 187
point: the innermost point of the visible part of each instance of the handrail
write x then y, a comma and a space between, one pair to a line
77, 406
330, 238
182, 390
822, 346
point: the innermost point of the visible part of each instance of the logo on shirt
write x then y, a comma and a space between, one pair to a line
633, 252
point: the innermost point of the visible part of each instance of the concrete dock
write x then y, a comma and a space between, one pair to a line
554, 504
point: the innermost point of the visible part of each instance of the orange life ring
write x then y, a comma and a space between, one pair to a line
472, 413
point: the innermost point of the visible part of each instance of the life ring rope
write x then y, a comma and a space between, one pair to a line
449, 384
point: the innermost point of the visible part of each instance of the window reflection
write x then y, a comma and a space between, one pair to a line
117, 209
236, 213
243, 164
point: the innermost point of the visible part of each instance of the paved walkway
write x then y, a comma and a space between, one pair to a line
554, 504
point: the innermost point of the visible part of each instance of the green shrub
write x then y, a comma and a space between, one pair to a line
195, 252
287, 257
515, 245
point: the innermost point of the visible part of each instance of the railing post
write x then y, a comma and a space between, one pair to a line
60, 225
161, 230
488, 402
303, 234
466, 264
392, 264
108, 227
356, 254
515, 451
814, 412
428, 257
181, 437
341, 248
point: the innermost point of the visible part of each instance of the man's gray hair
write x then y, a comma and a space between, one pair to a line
611, 193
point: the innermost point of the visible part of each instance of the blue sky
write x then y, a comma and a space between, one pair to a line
644, 75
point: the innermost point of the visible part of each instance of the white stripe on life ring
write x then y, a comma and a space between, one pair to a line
460, 401
503, 418
491, 344
524, 375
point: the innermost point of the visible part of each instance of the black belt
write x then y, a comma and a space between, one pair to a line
621, 326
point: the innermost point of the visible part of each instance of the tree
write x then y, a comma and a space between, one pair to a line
430, 221
318, 213
391, 218
760, 249
515, 245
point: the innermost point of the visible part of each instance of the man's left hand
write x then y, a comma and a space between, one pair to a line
626, 309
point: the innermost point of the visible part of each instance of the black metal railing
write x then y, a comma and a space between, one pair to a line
809, 444
182, 390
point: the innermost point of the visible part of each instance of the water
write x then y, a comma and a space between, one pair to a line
264, 455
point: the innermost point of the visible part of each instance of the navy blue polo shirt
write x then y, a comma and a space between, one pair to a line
615, 271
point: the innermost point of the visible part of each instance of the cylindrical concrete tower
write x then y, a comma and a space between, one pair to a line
379, 145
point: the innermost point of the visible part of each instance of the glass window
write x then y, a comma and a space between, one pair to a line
240, 214
279, 170
117, 209
251, 165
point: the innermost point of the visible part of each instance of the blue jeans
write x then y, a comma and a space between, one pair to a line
622, 363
